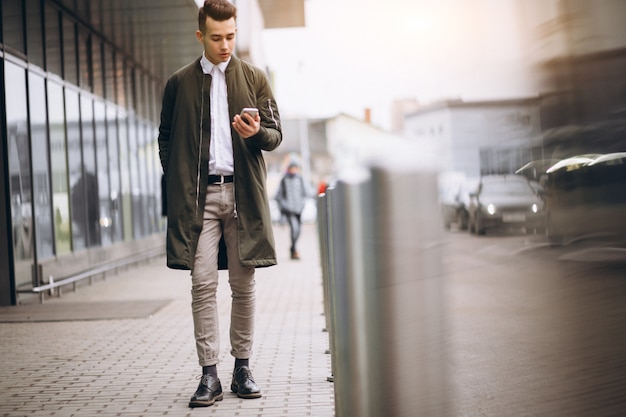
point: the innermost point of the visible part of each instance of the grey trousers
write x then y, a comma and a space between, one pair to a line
219, 215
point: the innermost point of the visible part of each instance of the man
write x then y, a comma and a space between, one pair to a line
218, 213
291, 198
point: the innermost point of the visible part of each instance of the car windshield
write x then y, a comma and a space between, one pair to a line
506, 188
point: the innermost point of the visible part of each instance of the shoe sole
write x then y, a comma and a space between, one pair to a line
197, 403
246, 396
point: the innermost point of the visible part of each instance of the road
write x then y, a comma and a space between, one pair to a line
534, 330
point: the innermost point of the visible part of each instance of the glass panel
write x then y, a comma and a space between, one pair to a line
75, 166
41, 168
13, 25
109, 73
155, 181
157, 176
114, 174
120, 80
34, 34
96, 65
69, 50
19, 172
144, 179
89, 181
58, 162
139, 96
102, 158
131, 103
53, 41
127, 212
135, 181
84, 60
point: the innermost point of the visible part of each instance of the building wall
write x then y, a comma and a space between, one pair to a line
579, 51
475, 138
82, 175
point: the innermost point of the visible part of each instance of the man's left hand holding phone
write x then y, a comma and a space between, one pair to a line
248, 122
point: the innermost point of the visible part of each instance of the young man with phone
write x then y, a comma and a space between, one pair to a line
218, 215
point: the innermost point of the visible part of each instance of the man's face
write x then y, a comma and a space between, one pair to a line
219, 39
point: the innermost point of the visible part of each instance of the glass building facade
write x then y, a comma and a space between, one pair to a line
79, 112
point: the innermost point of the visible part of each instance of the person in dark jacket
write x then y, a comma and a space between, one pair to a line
218, 214
291, 197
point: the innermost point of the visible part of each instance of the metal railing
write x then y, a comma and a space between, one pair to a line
102, 269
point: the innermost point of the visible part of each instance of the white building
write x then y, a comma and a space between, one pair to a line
477, 137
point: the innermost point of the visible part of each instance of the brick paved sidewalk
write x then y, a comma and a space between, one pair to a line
148, 367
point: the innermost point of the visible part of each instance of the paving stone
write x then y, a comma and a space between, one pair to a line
148, 366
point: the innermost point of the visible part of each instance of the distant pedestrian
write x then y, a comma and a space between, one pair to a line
291, 197
218, 214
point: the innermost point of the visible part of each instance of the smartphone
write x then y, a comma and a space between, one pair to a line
251, 111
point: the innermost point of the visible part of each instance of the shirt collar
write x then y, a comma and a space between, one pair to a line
207, 66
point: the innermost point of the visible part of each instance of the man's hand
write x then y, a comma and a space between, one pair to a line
246, 126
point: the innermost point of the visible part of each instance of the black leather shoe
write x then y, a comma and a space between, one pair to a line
209, 391
243, 384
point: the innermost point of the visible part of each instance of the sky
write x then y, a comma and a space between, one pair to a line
357, 54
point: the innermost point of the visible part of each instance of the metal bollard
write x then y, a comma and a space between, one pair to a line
350, 213
407, 347
323, 237
385, 294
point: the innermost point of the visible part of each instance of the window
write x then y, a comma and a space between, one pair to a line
58, 165
126, 188
89, 178
69, 50
120, 80
102, 166
34, 32
19, 171
109, 74
53, 40
41, 168
84, 60
96, 66
13, 25
75, 164
115, 173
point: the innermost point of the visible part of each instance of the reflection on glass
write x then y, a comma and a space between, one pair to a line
120, 80
96, 65
34, 32
41, 169
58, 162
53, 40
135, 182
143, 179
102, 158
12, 27
114, 172
84, 45
127, 212
75, 166
85, 192
19, 171
69, 51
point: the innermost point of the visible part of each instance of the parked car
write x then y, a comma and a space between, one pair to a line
505, 201
585, 198
454, 202
584, 190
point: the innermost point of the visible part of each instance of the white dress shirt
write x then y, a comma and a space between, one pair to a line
221, 146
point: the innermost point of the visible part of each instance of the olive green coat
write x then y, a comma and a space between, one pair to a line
184, 136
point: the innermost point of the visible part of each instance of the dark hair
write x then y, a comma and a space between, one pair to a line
219, 10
